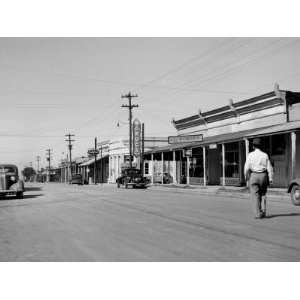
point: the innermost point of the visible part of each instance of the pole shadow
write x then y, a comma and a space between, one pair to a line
282, 215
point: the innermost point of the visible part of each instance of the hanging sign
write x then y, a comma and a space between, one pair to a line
187, 152
93, 152
137, 129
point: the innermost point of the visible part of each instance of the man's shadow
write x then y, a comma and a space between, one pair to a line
282, 215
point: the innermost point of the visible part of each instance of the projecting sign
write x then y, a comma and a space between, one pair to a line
213, 146
187, 153
137, 138
93, 152
185, 138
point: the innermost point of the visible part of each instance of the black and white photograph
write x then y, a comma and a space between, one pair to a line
150, 149
141, 148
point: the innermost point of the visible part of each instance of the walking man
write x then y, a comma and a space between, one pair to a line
259, 174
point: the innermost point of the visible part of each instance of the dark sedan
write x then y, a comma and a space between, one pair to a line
131, 177
10, 183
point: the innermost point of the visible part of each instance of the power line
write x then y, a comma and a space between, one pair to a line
186, 63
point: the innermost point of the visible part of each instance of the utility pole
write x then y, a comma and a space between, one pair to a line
70, 146
130, 106
102, 180
38, 158
143, 150
48, 158
95, 155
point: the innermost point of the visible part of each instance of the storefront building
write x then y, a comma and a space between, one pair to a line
113, 156
227, 135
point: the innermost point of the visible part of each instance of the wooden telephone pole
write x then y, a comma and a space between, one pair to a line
48, 158
130, 106
70, 146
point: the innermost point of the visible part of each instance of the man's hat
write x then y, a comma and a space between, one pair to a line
257, 142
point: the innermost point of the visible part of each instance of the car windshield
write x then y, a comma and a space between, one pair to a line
6, 169
132, 172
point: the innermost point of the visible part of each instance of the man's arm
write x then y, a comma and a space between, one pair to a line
247, 168
270, 170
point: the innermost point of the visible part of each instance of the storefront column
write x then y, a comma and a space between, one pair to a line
293, 149
247, 147
162, 168
174, 168
152, 167
223, 164
204, 166
188, 170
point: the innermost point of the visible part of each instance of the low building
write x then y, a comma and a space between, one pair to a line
113, 156
227, 135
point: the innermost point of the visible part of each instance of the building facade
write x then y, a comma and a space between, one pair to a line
227, 135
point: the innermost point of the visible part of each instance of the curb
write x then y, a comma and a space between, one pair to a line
221, 192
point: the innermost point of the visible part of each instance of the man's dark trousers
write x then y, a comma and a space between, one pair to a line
258, 185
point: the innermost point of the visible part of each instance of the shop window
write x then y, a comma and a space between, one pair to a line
232, 160
196, 167
146, 168
278, 144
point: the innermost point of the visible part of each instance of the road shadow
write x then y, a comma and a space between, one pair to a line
282, 215
32, 196
26, 196
32, 189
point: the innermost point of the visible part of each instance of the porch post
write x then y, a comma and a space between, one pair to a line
223, 164
174, 168
293, 149
152, 167
247, 147
188, 170
162, 168
204, 165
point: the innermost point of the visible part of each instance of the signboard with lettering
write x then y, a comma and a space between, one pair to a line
93, 152
185, 138
137, 129
213, 146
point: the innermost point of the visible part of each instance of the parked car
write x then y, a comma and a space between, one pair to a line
77, 179
294, 190
132, 177
10, 183
167, 178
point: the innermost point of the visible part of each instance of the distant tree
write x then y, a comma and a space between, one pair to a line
28, 173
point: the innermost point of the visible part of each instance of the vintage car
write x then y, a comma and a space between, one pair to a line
132, 177
10, 183
294, 190
77, 179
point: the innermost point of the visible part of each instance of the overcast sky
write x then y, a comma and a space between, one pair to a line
52, 86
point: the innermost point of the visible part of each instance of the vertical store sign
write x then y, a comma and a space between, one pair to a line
137, 138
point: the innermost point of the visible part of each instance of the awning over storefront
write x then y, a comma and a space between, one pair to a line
276, 129
232, 137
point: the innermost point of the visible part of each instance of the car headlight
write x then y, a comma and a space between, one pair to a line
12, 178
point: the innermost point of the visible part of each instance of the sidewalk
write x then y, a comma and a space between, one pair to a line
236, 192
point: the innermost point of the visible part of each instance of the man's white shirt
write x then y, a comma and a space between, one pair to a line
258, 161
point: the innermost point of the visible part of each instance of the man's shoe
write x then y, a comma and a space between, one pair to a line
263, 214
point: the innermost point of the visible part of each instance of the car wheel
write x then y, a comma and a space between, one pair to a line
19, 195
295, 194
